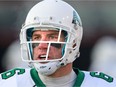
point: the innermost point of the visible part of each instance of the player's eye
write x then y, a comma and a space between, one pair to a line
36, 38
53, 37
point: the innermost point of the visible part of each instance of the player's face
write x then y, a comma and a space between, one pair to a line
40, 50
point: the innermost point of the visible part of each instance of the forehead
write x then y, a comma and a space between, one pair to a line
45, 32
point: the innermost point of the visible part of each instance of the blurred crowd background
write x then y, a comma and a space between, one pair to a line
99, 21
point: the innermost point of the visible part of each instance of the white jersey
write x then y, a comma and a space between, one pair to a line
19, 77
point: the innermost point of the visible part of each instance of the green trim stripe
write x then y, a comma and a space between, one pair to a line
36, 79
79, 79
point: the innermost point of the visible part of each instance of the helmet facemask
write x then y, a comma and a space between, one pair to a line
55, 50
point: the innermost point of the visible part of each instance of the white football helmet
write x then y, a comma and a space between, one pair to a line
52, 15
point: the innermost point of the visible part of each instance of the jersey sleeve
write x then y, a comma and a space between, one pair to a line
15, 78
7, 82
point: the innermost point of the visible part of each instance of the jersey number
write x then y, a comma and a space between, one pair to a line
11, 73
102, 76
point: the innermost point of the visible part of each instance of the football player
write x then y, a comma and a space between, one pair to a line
50, 39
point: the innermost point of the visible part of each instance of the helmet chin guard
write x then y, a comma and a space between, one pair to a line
47, 68
49, 15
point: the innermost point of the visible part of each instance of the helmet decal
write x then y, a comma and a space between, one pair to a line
76, 19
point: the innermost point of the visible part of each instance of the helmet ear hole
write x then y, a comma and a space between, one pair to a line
74, 45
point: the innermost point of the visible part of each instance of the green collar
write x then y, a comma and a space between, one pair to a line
79, 79
36, 79
39, 83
